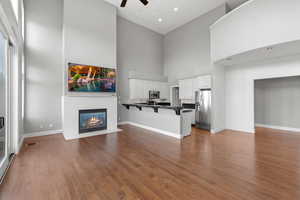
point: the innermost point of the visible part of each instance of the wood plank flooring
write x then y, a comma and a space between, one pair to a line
139, 164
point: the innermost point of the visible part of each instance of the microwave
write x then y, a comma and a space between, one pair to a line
154, 94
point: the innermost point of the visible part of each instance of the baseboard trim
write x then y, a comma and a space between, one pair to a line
123, 123
234, 130
42, 133
297, 130
241, 131
217, 131
167, 133
20, 144
105, 132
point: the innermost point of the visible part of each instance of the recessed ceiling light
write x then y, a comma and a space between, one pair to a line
160, 20
175, 9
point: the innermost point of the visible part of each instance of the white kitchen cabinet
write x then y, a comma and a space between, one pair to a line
164, 90
155, 86
202, 82
182, 88
196, 86
147, 86
139, 89
205, 82
186, 89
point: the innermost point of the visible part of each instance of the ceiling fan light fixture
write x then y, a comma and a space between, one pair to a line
123, 3
145, 2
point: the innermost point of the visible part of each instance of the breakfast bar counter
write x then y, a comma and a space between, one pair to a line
173, 121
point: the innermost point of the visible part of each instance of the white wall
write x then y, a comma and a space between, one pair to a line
90, 33
140, 51
187, 54
218, 99
89, 37
239, 88
87, 41
187, 49
243, 35
259, 102
254, 25
277, 102
43, 51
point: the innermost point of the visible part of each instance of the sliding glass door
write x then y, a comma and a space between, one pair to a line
3, 104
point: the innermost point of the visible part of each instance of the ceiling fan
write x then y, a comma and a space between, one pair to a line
123, 4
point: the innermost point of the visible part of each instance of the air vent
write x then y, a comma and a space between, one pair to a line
31, 144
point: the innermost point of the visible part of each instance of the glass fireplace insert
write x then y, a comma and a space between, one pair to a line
92, 120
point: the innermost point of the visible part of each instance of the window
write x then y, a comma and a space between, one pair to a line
23, 18
15, 6
23, 86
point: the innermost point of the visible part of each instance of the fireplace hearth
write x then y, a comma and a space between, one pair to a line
92, 120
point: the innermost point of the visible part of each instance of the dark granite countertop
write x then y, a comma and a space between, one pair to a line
140, 106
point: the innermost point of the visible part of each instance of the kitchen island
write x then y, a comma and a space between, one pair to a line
173, 121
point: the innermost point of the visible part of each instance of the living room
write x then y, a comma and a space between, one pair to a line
116, 99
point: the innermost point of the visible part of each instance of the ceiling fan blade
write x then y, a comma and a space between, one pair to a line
123, 4
145, 2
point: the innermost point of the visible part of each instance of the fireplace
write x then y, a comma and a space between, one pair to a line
92, 120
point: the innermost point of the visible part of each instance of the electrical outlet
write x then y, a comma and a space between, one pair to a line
50, 125
41, 126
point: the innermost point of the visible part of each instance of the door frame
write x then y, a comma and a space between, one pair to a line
5, 161
13, 49
8, 27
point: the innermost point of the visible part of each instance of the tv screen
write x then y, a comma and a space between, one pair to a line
86, 78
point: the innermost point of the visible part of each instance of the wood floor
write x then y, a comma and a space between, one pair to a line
139, 164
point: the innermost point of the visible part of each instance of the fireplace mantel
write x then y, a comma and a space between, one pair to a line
70, 110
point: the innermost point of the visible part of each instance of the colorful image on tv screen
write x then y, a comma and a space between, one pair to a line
85, 78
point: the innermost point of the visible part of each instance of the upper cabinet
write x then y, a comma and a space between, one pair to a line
188, 87
139, 89
256, 30
202, 82
164, 90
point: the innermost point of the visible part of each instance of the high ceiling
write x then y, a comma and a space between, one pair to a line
149, 16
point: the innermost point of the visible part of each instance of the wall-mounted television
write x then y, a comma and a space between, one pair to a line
87, 78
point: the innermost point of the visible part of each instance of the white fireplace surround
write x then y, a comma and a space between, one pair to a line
72, 105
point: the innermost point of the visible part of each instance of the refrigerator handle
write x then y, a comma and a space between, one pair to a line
2, 122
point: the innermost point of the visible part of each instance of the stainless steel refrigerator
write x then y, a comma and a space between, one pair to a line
203, 109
